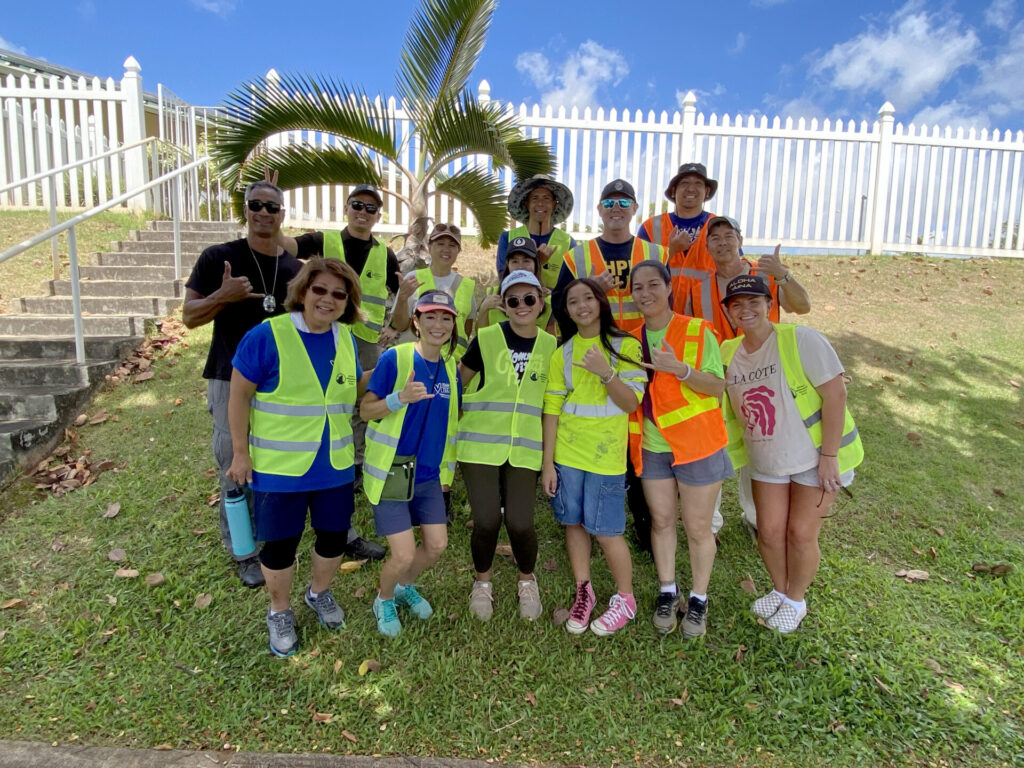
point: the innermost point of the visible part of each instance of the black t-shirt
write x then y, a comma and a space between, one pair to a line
519, 350
356, 251
235, 319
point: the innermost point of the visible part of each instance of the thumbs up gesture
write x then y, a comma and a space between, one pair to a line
234, 289
413, 391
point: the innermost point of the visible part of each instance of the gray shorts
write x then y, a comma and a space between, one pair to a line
707, 471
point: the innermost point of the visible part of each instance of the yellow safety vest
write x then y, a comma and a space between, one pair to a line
559, 244
635, 379
464, 288
286, 425
382, 435
495, 316
808, 402
373, 281
501, 421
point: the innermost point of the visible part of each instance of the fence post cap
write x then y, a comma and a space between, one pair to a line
690, 99
484, 90
887, 110
131, 64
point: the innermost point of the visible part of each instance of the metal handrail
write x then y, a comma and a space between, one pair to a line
69, 227
76, 164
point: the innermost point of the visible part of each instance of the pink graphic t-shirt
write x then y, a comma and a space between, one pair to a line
776, 440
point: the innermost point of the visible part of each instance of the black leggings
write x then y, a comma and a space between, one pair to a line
279, 555
485, 486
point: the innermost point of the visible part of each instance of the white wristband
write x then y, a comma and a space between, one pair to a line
689, 370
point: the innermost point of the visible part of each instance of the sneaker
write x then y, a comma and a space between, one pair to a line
361, 549
250, 573
786, 619
529, 600
620, 610
767, 605
695, 621
387, 617
481, 601
283, 640
666, 611
408, 597
327, 611
579, 613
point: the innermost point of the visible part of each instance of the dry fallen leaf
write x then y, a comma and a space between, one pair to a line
350, 736
913, 436
550, 564
505, 550
163, 747
337, 666
1001, 569
116, 555
359, 592
1014, 383
144, 376
211, 472
882, 685
531, 699
559, 616
939, 531
350, 565
748, 585
322, 717
916, 575
112, 510
12, 602
738, 656
126, 573
155, 579
82, 418
999, 492
369, 665
178, 401
934, 666
204, 600
981, 567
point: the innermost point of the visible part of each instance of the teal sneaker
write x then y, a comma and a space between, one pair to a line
387, 617
408, 597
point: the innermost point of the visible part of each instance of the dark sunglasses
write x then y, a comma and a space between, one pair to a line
258, 205
358, 205
529, 300
622, 202
338, 295
447, 228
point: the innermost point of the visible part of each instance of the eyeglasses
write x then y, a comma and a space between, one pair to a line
337, 295
258, 205
447, 228
529, 300
358, 205
622, 202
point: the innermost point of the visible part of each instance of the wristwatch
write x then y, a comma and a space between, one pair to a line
784, 280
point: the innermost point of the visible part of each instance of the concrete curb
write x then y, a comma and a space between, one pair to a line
27, 754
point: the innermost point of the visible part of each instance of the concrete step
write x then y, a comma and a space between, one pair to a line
98, 305
164, 289
27, 440
51, 372
64, 325
212, 227
56, 349
37, 402
152, 236
127, 273
145, 246
132, 259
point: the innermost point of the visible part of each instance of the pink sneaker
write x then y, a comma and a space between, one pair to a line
621, 608
579, 613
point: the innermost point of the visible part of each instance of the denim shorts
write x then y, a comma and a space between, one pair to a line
711, 469
282, 514
597, 502
426, 507
808, 477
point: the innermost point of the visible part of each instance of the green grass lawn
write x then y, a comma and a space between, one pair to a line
882, 672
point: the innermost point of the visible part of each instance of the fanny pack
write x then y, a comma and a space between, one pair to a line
401, 480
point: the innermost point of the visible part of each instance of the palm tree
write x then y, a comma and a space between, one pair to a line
442, 45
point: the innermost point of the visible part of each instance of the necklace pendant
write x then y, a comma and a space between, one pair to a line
269, 303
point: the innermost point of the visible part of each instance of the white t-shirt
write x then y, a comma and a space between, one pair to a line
776, 440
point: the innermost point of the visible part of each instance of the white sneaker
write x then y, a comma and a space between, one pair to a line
766, 606
529, 600
786, 619
481, 601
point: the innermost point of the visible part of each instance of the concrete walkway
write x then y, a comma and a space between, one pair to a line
25, 754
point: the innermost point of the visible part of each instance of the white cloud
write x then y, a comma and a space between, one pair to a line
801, 106
1000, 13
740, 44
952, 113
1002, 76
916, 53
8, 45
576, 81
220, 8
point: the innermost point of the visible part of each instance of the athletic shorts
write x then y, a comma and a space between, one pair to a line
282, 514
808, 477
597, 502
707, 471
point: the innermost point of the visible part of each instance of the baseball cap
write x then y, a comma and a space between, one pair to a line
618, 188
746, 285
728, 220
446, 230
522, 245
520, 277
367, 189
430, 301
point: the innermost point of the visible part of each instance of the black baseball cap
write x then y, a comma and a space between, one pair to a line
746, 285
522, 245
367, 189
618, 188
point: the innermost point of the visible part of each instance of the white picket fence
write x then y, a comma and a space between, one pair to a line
878, 186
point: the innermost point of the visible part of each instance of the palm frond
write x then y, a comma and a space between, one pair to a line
263, 108
530, 157
442, 45
481, 192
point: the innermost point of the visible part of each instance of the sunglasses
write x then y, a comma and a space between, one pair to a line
622, 202
529, 300
447, 228
358, 205
258, 205
337, 295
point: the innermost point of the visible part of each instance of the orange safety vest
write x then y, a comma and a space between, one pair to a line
701, 286
690, 421
586, 260
659, 230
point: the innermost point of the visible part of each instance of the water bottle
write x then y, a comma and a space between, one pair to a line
236, 508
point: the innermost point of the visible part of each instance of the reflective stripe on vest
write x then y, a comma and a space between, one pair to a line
287, 424
706, 299
373, 281
559, 243
501, 421
808, 402
463, 297
608, 407
383, 435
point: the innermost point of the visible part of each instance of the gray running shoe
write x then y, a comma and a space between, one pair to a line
283, 640
529, 600
327, 611
666, 612
481, 601
695, 622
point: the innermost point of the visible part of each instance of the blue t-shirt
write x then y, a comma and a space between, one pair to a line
426, 422
538, 239
256, 358
692, 226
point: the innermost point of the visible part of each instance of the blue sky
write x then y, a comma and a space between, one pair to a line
959, 62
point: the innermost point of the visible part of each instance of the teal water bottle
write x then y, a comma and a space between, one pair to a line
236, 507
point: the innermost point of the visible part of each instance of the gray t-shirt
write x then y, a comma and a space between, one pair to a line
776, 440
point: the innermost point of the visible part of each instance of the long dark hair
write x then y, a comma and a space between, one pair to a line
608, 330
